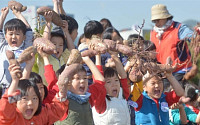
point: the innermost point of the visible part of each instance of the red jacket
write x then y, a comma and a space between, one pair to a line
171, 45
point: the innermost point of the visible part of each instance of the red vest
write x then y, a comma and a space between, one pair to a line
171, 45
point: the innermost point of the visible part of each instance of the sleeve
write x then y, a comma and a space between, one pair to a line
98, 96
184, 32
175, 117
171, 98
125, 88
139, 103
137, 90
8, 112
55, 110
2, 40
191, 116
51, 79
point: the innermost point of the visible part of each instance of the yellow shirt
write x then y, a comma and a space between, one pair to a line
57, 63
137, 91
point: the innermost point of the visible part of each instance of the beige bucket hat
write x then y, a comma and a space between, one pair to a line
159, 11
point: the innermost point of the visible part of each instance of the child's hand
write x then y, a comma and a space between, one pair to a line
31, 62
65, 26
48, 16
14, 69
41, 52
176, 106
15, 12
4, 11
110, 63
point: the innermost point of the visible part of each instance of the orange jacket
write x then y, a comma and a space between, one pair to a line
10, 115
171, 45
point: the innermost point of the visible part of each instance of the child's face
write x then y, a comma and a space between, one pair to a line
58, 42
117, 38
112, 86
74, 34
154, 87
14, 37
41, 90
28, 104
79, 84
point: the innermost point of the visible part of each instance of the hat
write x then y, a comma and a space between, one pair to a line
159, 11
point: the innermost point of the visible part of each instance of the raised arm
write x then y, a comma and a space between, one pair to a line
19, 15
47, 30
60, 7
14, 69
28, 68
70, 43
96, 73
4, 13
55, 6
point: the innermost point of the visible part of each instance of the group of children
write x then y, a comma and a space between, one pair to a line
99, 91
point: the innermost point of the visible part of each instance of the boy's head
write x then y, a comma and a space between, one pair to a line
154, 87
36, 78
79, 82
57, 38
191, 92
30, 103
112, 34
15, 31
72, 26
93, 28
112, 82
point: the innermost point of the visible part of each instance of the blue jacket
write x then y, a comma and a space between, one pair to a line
149, 114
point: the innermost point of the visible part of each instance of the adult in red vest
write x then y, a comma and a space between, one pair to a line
170, 38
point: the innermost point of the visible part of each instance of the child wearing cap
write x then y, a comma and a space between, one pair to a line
169, 38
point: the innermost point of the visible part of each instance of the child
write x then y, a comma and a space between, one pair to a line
21, 104
191, 116
18, 36
57, 38
111, 107
152, 105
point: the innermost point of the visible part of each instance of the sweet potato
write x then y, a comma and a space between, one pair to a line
56, 19
11, 58
74, 57
89, 53
98, 45
18, 6
162, 67
192, 73
66, 76
47, 45
135, 75
26, 54
113, 46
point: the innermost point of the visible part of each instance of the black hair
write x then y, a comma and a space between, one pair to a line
190, 92
133, 38
92, 27
72, 23
105, 23
107, 34
15, 24
148, 45
24, 85
60, 70
36, 78
58, 32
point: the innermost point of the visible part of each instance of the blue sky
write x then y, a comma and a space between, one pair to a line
121, 13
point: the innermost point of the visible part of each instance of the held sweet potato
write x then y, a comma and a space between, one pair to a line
113, 46
135, 75
56, 19
192, 73
47, 45
89, 53
163, 67
98, 45
66, 76
18, 6
11, 58
74, 57
26, 54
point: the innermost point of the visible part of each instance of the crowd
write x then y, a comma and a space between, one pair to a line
109, 81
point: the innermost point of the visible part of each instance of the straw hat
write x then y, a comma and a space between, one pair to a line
159, 11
